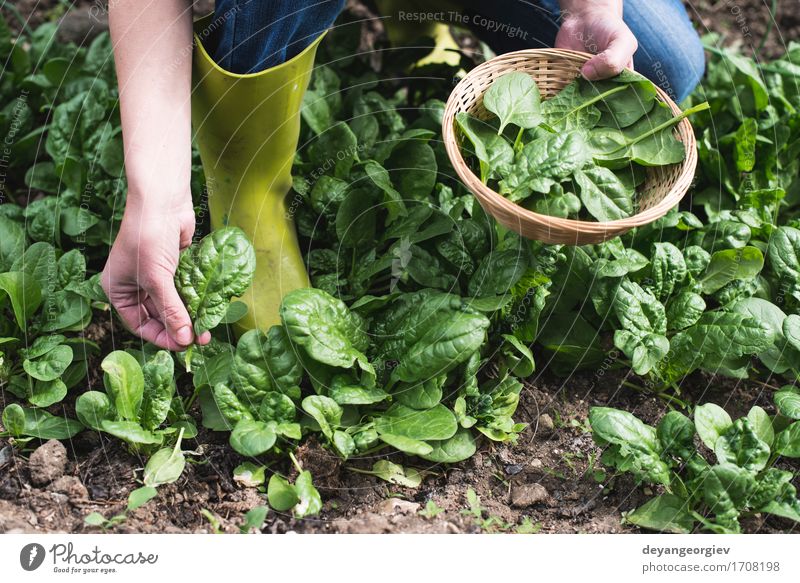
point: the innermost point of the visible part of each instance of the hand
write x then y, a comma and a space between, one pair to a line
138, 277
598, 28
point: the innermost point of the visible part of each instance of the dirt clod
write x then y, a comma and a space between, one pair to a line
48, 462
71, 486
524, 495
397, 506
546, 425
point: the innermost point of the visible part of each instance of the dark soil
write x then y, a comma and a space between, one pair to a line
550, 481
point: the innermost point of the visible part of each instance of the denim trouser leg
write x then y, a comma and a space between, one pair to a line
258, 34
670, 52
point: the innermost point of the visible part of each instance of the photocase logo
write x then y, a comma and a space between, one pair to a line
31, 556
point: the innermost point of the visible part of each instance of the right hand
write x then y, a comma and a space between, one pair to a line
138, 277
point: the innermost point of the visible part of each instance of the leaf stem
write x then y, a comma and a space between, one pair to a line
668, 398
592, 101
519, 139
670, 122
296, 463
188, 358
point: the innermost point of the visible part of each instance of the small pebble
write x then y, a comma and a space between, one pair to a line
514, 469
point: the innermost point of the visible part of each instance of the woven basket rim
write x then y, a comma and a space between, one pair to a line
556, 224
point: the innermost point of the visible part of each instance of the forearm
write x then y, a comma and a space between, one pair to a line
574, 6
153, 55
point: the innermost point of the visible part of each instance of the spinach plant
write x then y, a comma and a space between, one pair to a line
743, 480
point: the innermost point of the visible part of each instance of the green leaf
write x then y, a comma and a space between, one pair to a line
24, 293
397, 474
740, 445
92, 407
665, 513
325, 411
159, 387
14, 420
407, 444
324, 326
46, 393
761, 423
435, 423
514, 98
249, 474
604, 195
229, 407
453, 450
791, 330
213, 272
490, 147
165, 466
634, 446
556, 156
130, 432
254, 519
568, 109
252, 438
124, 382
787, 442
50, 365
310, 501
726, 489
441, 348
141, 496
281, 494
787, 400
276, 407
745, 152
729, 335
344, 392
264, 363
711, 421
676, 434
729, 265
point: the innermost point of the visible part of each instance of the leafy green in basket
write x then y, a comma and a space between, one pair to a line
580, 153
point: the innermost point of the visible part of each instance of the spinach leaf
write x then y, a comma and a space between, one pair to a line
213, 272
514, 98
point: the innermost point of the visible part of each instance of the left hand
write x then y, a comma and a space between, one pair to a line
598, 28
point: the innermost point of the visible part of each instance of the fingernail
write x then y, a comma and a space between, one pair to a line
589, 70
184, 335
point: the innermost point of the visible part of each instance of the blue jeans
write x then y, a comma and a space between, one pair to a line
258, 34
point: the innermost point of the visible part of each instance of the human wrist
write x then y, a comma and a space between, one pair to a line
157, 205
576, 8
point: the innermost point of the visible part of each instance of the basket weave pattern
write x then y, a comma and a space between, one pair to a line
552, 69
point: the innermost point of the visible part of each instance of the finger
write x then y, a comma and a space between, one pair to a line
136, 318
187, 233
613, 59
204, 338
569, 38
171, 312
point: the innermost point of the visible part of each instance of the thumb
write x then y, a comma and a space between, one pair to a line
172, 312
613, 59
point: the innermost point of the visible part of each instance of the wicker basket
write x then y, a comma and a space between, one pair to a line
553, 69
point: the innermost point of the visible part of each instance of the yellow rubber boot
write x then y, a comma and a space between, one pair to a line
402, 31
247, 127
